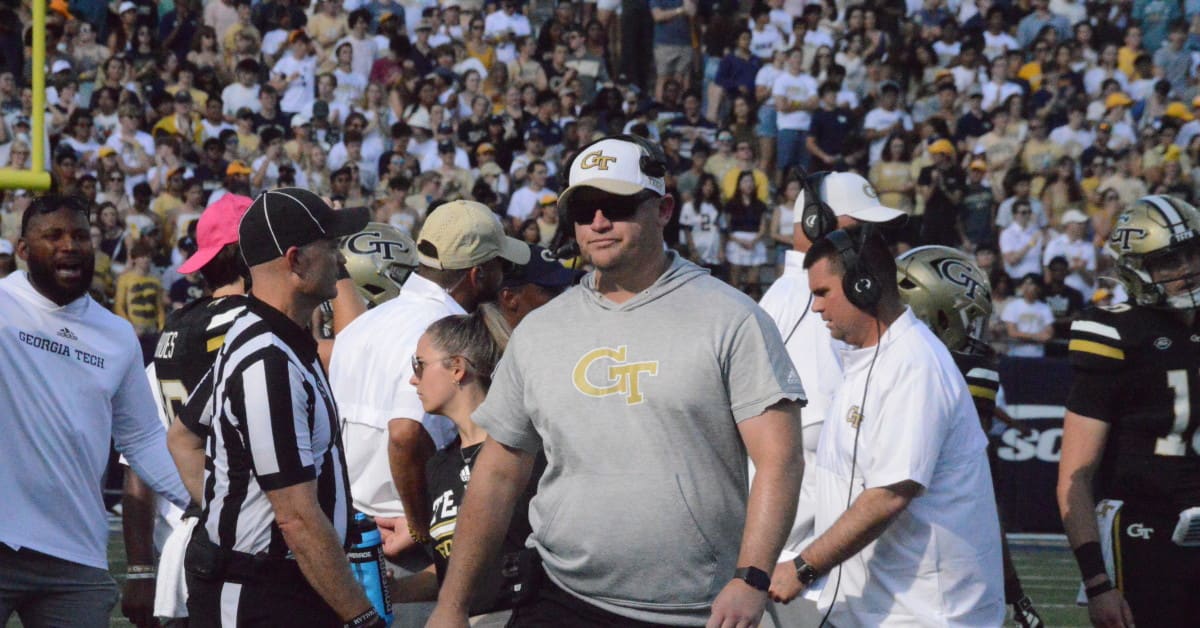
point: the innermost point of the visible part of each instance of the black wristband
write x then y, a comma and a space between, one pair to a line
1090, 560
369, 619
1099, 588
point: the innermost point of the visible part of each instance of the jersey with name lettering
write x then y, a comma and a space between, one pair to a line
189, 344
447, 474
1136, 369
983, 381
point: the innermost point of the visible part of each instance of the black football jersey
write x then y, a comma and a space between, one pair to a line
1136, 369
447, 474
983, 381
189, 344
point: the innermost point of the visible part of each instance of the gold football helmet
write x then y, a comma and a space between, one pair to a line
1158, 233
379, 259
948, 291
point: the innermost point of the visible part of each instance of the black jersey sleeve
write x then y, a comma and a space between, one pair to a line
1099, 350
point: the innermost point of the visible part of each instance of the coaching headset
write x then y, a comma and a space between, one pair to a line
862, 288
652, 163
817, 219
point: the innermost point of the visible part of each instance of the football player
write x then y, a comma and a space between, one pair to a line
186, 349
1130, 436
947, 290
379, 259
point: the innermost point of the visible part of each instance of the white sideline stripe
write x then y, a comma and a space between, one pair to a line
1099, 329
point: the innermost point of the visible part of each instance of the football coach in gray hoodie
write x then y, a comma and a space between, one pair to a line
646, 386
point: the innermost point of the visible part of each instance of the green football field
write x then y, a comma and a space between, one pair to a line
1045, 564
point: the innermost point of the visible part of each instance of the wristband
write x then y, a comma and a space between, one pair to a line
140, 576
1090, 560
367, 618
140, 569
1098, 589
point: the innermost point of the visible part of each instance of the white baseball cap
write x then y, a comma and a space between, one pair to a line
614, 166
61, 65
126, 6
6, 247
848, 194
1073, 215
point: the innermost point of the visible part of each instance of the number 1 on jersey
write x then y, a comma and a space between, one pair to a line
1172, 444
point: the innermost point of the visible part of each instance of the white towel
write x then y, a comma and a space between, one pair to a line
170, 594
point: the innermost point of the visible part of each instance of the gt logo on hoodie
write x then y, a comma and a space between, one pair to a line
620, 377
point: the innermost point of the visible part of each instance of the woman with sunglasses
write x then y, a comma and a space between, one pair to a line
452, 371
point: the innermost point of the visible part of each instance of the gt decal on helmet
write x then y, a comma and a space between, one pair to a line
948, 292
379, 259
1154, 230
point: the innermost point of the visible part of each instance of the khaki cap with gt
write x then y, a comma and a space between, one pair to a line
465, 234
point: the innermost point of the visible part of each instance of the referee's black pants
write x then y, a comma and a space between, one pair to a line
284, 598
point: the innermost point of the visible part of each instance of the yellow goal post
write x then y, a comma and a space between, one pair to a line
36, 178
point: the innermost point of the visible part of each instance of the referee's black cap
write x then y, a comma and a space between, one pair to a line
286, 217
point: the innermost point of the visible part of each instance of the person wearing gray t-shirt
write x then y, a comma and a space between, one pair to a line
658, 382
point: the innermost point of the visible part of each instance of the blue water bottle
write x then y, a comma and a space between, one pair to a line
366, 561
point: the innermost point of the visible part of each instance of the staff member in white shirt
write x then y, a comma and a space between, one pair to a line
71, 380
919, 543
814, 353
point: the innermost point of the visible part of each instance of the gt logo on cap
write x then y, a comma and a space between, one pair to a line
596, 159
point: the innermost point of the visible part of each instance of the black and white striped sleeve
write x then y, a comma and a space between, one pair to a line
197, 412
277, 408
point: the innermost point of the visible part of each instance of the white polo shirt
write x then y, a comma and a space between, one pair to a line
817, 359
938, 563
71, 379
369, 373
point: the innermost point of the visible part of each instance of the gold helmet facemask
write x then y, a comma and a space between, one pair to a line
948, 291
1158, 234
379, 259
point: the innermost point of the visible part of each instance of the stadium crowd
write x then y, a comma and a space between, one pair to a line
963, 114
1013, 131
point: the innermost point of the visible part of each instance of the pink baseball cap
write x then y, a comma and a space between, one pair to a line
217, 228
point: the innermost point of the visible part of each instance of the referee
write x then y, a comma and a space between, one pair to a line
269, 547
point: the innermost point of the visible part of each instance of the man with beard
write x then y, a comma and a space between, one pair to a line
387, 435
53, 565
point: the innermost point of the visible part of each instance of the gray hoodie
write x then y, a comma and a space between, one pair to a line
636, 405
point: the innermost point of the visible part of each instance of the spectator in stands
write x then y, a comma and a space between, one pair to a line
749, 220
795, 95
1079, 252
1021, 242
831, 141
1029, 322
1064, 301
941, 185
978, 208
744, 162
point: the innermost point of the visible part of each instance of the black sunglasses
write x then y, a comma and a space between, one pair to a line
585, 202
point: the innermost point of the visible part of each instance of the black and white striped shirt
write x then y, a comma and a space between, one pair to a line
270, 420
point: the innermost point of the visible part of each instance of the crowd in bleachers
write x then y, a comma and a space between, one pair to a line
1015, 130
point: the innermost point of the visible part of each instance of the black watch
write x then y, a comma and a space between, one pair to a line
805, 572
754, 577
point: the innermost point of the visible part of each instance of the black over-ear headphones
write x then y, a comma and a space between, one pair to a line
652, 163
816, 218
862, 289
